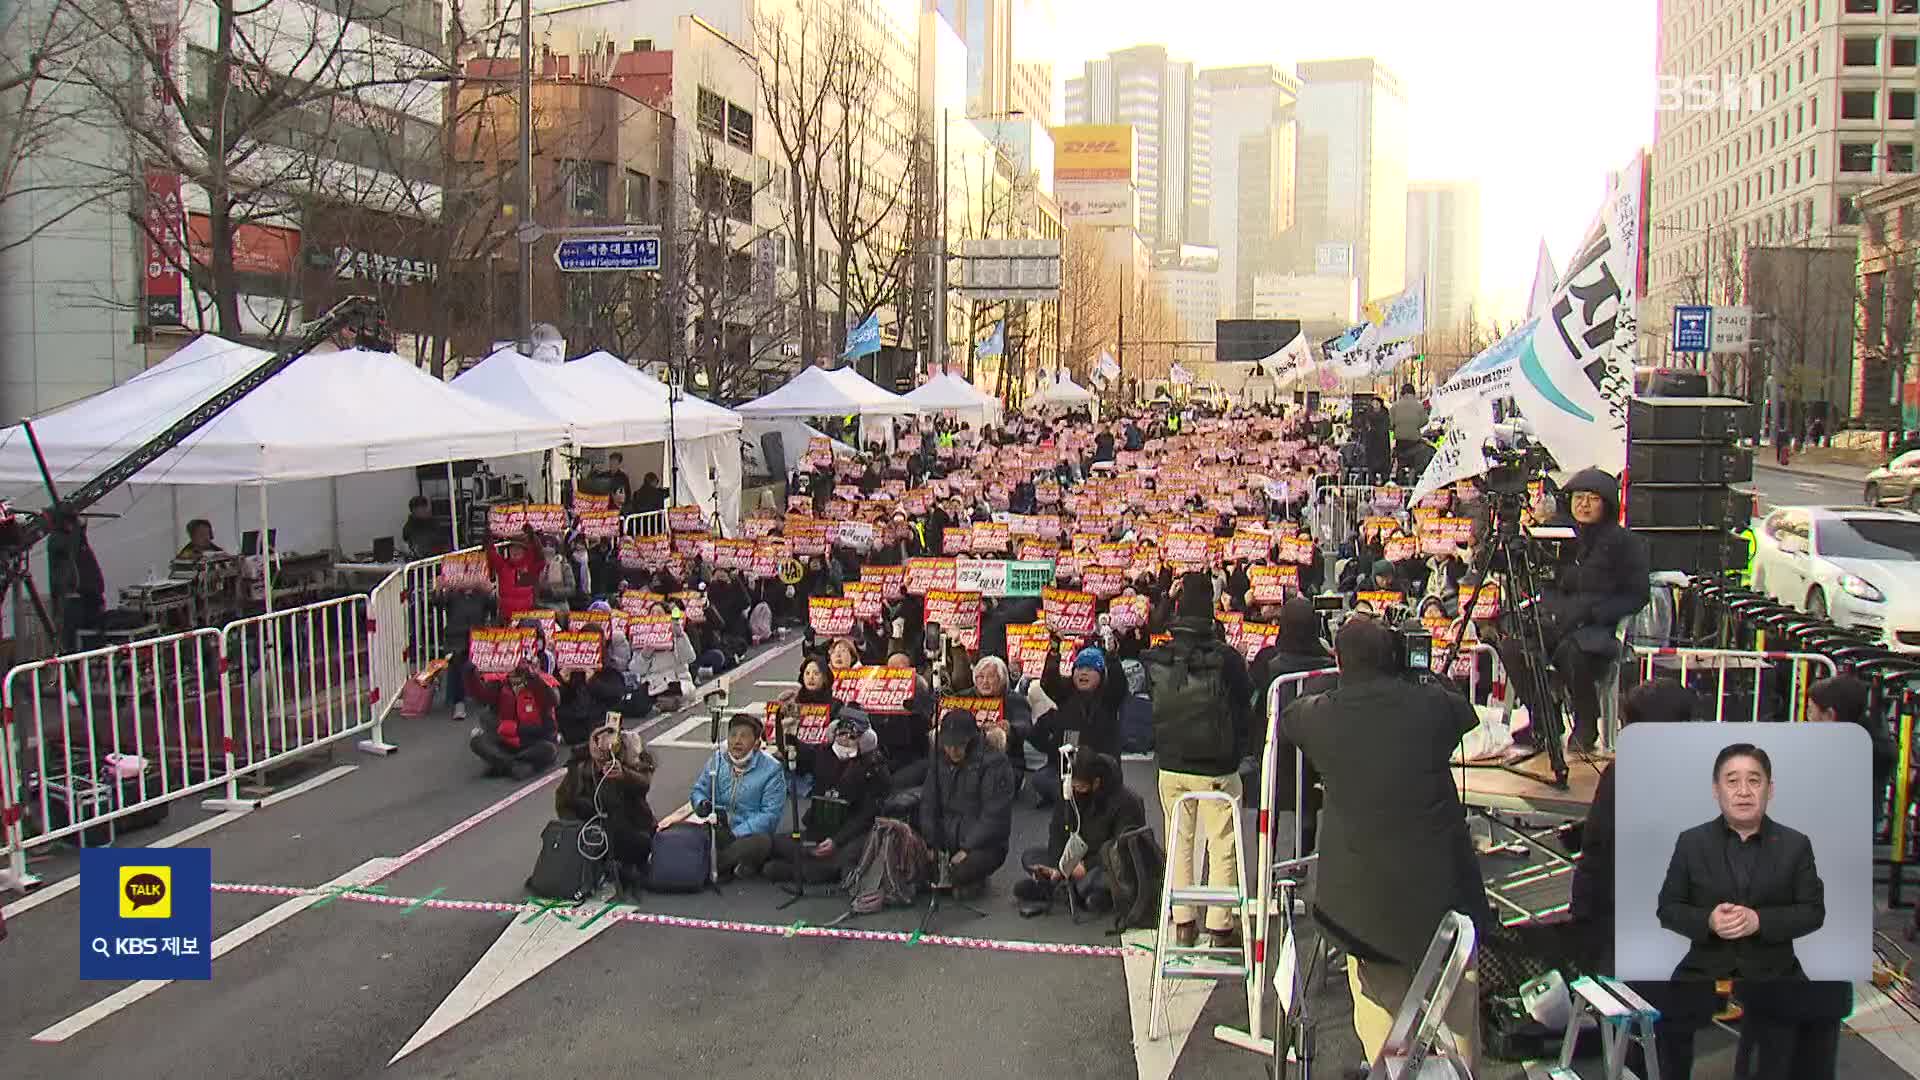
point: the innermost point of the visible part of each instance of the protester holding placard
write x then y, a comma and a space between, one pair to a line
851, 781
517, 573
466, 606
522, 742
1087, 706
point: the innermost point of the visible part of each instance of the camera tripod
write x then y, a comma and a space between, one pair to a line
943, 883
796, 890
1508, 551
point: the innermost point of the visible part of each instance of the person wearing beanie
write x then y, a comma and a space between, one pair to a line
1087, 702
1102, 807
850, 782
1201, 710
966, 804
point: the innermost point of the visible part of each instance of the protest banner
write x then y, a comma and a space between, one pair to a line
869, 602
892, 580
733, 554
809, 725
1027, 645
989, 538
651, 633
1401, 548
1485, 601
1256, 636
686, 519
1068, 612
958, 613
838, 509
1297, 550
693, 545
694, 604
830, 616
760, 523
1104, 582
858, 535
506, 520
819, 453
578, 650
988, 577
494, 650
878, 690
1127, 613
547, 519
1115, 556
987, 711
957, 540
1036, 550
636, 602
924, 575
1248, 544
592, 502
649, 552
600, 524
546, 619
1272, 584
1188, 550
806, 536
1378, 601
800, 504
606, 622
463, 570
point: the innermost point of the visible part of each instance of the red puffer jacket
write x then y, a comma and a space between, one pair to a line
518, 576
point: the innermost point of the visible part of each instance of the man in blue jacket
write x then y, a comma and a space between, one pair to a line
746, 790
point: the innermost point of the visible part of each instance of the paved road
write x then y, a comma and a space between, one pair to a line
340, 988
1781, 487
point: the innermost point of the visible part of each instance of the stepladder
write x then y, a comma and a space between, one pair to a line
1625, 1019
1173, 961
1415, 1048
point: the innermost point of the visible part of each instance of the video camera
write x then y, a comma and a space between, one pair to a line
1514, 457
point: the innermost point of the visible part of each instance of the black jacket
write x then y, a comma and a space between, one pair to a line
969, 806
1785, 890
862, 783
1096, 715
467, 610
1395, 856
1607, 579
72, 568
622, 799
1592, 899
1114, 809
1190, 634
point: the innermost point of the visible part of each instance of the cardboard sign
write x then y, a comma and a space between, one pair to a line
733, 554
646, 552
956, 612
810, 725
1272, 584
989, 538
635, 602
858, 535
819, 453
807, 536
694, 604
830, 616
578, 650
957, 540
651, 633
1256, 636
1104, 582
1188, 550
1128, 613
600, 524
1027, 645
868, 599
881, 690
892, 580
926, 575
1379, 601
463, 570
987, 711
1297, 550
547, 519
1067, 612
494, 650
1486, 605
506, 520
1116, 556
800, 504
587, 502
686, 519
1401, 548
1249, 545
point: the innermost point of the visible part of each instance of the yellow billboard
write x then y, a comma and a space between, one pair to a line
1093, 152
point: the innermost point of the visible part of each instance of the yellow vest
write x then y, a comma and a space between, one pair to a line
1746, 571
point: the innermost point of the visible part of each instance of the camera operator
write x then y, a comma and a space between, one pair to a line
1395, 855
1604, 582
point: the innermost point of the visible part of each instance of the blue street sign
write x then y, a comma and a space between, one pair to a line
1692, 329
623, 253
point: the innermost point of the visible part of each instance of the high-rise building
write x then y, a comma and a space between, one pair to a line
1443, 248
1244, 102
1156, 96
1359, 110
1768, 126
1264, 205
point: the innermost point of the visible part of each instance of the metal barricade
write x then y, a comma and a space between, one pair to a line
651, 523
161, 700
302, 680
1686, 662
406, 629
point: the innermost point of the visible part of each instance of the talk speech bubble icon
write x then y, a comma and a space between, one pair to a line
145, 892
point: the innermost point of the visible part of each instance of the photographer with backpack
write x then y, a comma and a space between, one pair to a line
1201, 698
1101, 810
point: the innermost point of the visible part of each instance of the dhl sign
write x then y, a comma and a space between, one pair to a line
1093, 152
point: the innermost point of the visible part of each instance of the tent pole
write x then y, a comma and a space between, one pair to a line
266, 553
453, 504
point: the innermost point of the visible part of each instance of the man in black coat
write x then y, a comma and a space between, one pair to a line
73, 576
966, 805
1395, 856
1605, 582
1102, 808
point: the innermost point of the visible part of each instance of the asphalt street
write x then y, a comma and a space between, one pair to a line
1783, 487
330, 987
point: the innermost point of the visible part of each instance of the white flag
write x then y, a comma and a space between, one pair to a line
1462, 454
1294, 361
1401, 316
1545, 277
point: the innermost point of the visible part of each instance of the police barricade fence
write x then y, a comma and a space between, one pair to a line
651, 523
406, 628
1689, 665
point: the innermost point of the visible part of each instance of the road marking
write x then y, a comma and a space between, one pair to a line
366, 873
523, 950
673, 738
1880, 1021
308, 784
778, 684
1155, 1058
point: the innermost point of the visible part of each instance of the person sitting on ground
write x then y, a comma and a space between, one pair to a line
608, 785
850, 782
1102, 808
745, 791
966, 805
990, 678
522, 742
654, 673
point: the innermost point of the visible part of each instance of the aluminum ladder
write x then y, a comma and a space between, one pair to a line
1624, 1017
1171, 961
1414, 1049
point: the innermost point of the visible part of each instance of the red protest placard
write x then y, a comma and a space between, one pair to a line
497, 650
819, 454
760, 524
600, 524
807, 724
989, 538
958, 613
1256, 636
957, 540
1188, 550
1485, 601
1067, 612
694, 604
830, 616
635, 602
545, 618
875, 689
647, 552
868, 600
1116, 556
1250, 545
506, 520
733, 554
691, 545
799, 504
1401, 548
1297, 550
1128, 613
578, 650
987, 711
926, 575
1027, 645
892, 580
1272, 584
463, 570
588, 502
1104, 582
1378, 601
686, 519
651, 633
547, 519
1037, 551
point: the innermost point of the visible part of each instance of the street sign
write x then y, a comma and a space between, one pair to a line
599, 253
1732, 329
1692, 329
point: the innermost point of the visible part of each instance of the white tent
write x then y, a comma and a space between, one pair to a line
595, 410
1064, 392
951, 393
707, 438
693, 417
817, 392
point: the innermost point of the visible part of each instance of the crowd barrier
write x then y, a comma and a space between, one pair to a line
1687, 664
651, 523
405, 628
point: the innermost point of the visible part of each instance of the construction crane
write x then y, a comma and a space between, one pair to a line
360, 320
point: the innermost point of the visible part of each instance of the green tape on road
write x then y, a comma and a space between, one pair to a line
417, 904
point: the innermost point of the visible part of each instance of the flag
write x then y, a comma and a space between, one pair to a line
863, 340
1363, 353
1293, 361
1545, 277
996, 343
1401, 316
1179, 376
1107, 367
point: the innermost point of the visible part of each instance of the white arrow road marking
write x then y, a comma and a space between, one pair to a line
1155, 1058
524, 950
371, 870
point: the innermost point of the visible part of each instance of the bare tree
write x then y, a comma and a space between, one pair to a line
801, 53
1090, 290
867, 182
1802, 292
41, 104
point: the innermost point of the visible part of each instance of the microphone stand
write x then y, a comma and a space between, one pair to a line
797, 891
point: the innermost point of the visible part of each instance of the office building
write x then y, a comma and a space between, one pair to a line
1253, 102
1443, 248
1156, 96
1352, 117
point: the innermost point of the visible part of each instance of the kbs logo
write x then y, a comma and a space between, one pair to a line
146, 892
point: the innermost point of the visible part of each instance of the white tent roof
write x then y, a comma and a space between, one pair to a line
1065, 392
693, 418
595, 409
947, 392
328, 414
817, 392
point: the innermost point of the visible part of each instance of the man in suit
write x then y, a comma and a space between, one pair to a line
1742, 888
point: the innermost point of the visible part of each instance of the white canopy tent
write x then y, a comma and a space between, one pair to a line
1064, 392
341, 430
818, 392
951, 393
595, 410
707, 438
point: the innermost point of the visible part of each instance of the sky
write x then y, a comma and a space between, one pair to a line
1536, 100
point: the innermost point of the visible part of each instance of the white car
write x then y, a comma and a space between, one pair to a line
1855, 565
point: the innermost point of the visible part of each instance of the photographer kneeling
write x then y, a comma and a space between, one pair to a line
1605, 582
1395, 856
1102, 808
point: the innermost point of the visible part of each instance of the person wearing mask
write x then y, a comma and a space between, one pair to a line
1200, 696
1409, 417
1087, 702
522, 742
1605, 582
1102, 807
966, 805
745, 791
517, 573
850, 782
608, 785
199, 542
649, 497
1395, 855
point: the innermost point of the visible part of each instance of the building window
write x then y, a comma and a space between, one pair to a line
713, 113
1848, 213
1862, 7
1906, 7
1900, 105
1857, 104
710, 189
1860, 52
1856, 157
1900, 157
739, 127
1903, 52
639, 196
740, 199
586, 186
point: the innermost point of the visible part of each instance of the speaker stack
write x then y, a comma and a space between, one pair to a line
1683, 459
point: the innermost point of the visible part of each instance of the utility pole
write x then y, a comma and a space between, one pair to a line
938, 357
527, 233
1120, 337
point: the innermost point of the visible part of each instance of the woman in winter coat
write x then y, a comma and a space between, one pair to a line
608, 785
850, 782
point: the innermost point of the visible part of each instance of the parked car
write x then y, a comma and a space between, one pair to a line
1897, 483
1858, 566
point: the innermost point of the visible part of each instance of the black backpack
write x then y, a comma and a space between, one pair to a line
1192, 710
562, 872
1136, 868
